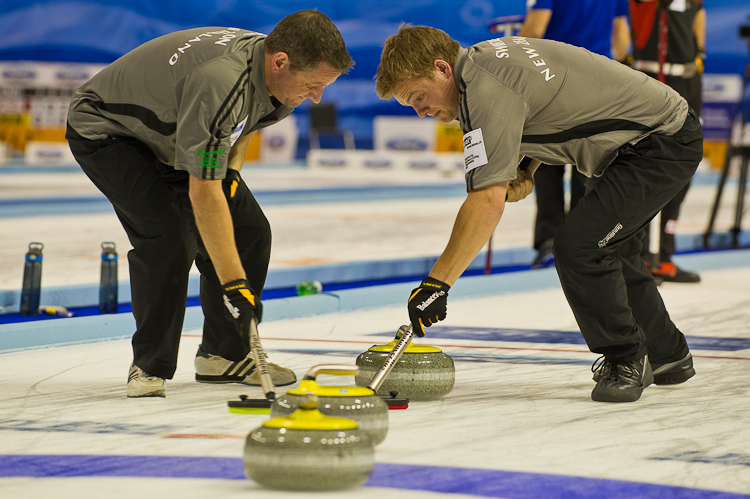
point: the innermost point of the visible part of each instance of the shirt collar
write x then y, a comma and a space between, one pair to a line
458, 67
258, 81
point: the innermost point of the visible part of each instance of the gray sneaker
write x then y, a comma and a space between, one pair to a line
620, 381
211, 368
142, 384
673, 373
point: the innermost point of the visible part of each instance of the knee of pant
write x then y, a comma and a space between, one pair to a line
172, 237
264, 235
564, 248
172, 256
182, 242
255, 242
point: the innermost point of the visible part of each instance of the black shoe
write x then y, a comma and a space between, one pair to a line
669, 272
545, 257
620, 381
673, 373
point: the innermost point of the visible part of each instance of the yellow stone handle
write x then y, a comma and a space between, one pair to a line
335, 369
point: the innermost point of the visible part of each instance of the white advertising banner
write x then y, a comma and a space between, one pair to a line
278, 142
47, 75
402, 133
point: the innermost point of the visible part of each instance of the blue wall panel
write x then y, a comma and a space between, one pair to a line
101, 31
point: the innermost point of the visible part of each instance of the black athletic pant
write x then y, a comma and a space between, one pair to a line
597, 252
690, 89
151, 200
550, 200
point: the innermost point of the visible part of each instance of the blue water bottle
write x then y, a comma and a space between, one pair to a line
108, 282
32, 280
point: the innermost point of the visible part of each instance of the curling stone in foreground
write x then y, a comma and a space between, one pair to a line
422, 373
309, 451
352, 402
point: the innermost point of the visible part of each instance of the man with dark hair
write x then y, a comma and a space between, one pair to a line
635, 138
163, 132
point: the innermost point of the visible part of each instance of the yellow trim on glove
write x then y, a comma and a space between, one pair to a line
247, 294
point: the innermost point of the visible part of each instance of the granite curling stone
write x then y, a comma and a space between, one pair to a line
309, 451
422, 373
353, 402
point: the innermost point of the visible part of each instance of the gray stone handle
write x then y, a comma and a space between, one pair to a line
407, 333
260, 361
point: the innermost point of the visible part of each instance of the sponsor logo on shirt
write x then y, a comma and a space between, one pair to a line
210, 159
475, 154
237, 131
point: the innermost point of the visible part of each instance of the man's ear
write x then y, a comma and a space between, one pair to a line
443, 68
278, 61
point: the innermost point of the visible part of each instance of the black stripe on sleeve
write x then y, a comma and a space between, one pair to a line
225, 107
464, 107
221, 115
464, 103
586, 130
224, 111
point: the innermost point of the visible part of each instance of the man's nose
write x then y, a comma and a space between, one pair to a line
316, 94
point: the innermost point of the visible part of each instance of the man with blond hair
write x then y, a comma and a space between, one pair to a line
635, 138
163, 132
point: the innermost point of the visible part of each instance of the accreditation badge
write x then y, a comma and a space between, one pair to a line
475, 154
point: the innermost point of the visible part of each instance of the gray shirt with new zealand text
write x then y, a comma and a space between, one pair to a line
188, 95
553, 102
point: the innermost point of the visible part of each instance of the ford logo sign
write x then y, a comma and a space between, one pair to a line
332, 162
72, 75
423, 164
19, 74
377, 163
407, 144
276, 142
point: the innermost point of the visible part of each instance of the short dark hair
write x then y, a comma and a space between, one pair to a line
309, 37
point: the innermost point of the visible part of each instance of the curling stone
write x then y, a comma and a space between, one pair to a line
309, 451
422, 373
353, 402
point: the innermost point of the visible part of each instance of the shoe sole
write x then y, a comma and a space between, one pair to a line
205, 378
605, 395
157, 393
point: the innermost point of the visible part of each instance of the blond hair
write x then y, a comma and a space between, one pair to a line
411, 53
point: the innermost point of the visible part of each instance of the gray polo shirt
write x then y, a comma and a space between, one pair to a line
553, 102
188, 95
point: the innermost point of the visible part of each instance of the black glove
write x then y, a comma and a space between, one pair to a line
428, 304
242, 304
231, 183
